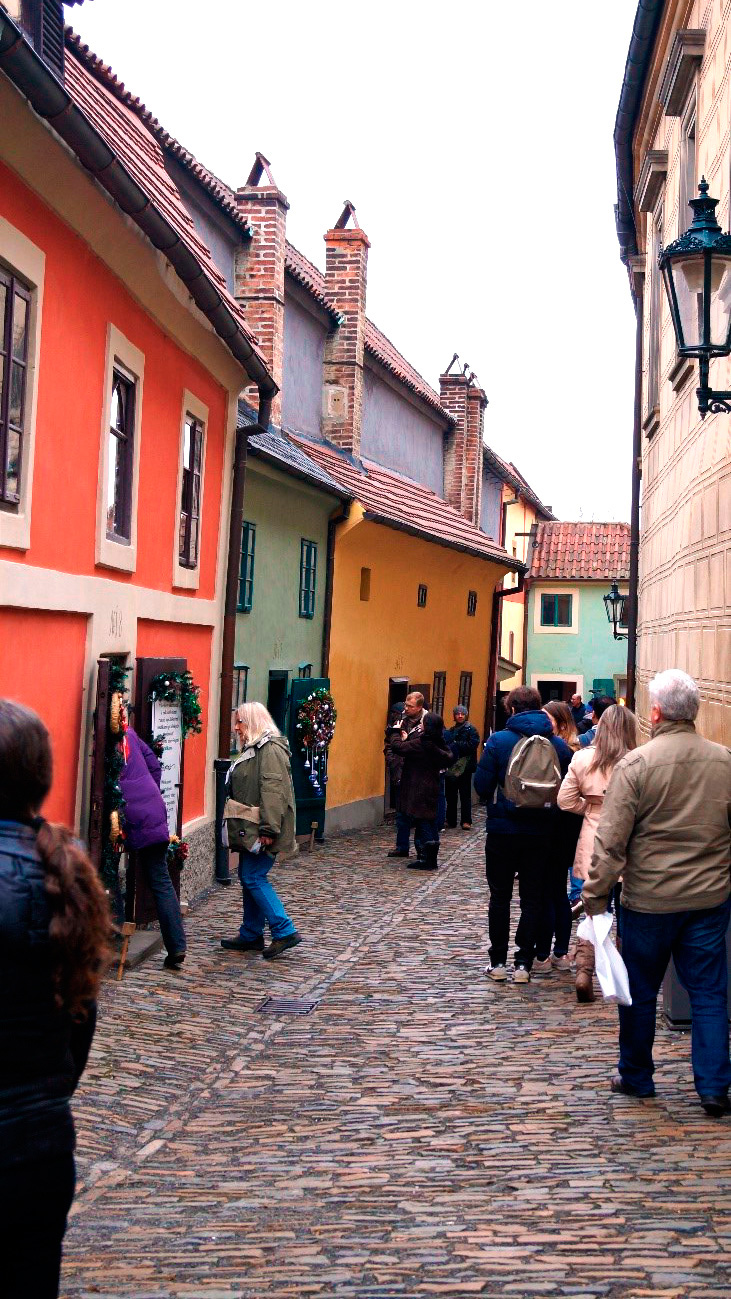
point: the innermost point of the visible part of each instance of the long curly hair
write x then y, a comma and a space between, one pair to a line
80, 926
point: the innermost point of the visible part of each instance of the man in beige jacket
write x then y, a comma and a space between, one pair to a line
665, 829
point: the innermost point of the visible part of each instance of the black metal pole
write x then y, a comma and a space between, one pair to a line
634, 535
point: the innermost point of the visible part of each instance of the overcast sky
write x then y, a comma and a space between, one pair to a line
475, 141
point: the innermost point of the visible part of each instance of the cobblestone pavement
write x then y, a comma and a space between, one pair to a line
422, 1132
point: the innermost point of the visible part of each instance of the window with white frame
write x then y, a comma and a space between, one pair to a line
687, 188
22, 273
655, 322
116, 544
15, 326
190, 492
120, 456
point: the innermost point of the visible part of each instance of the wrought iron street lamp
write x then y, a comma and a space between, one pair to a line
696, 269
616, 607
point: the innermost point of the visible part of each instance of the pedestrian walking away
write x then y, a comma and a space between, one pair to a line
556, 919
464, 741
54, 933
664, 828
582, 792
404, 717
425, 756
260, 824
587, 729
146, 829
527, 761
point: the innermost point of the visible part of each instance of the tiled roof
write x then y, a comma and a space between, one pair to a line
513, 477
218, 189
589, 552
276, 447
384, 351
310, 277
400, 503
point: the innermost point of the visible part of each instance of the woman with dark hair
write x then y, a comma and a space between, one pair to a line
54, 930
425, 756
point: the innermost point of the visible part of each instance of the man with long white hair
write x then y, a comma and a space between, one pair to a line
664, 829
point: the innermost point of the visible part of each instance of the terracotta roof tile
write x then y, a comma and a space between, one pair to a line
589, 552
400, 503
513, 477
385, 352
310, 277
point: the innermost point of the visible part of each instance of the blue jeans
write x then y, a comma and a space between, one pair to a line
697, 942
153, 863
576, 884
262, 903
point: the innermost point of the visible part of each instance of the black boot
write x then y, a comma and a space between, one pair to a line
427, 861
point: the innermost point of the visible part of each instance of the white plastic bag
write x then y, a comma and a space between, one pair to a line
611, 970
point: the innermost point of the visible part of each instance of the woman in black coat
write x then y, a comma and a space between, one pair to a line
425, 756
54, 925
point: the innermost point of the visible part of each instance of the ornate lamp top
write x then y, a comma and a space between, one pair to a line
704, 233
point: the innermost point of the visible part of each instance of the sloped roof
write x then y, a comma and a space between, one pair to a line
588, 552
384, 351
513, 477
277, 448
401, 503
310, 277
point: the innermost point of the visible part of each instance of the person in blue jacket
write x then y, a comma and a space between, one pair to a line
520, 841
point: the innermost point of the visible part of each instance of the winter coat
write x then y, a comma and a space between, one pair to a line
665, 826
582, 792
464, 742
394, 761
261, 778
503, 817
424, 760
587, 736
145, 814
578, 713
42, 1051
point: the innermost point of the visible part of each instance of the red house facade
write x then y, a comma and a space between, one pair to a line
122, 356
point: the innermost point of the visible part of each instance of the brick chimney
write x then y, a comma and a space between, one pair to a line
259, 272
464, 399
346, 263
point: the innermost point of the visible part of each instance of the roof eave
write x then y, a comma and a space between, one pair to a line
334, 489
642, 43
52, 102
504, 560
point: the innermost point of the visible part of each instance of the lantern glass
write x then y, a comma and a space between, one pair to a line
720, 302
685, 280
687, 273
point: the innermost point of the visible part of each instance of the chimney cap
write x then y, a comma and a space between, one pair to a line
347, 214
261, 165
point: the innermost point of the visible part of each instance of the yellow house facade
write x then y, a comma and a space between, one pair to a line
673, 128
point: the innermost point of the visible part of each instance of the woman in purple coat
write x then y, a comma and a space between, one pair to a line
146, 828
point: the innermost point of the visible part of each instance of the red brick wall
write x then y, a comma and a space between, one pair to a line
259, 281
346, 269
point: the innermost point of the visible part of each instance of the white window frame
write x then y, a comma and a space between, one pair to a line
111, 553
189, 579
28, 262
538, 627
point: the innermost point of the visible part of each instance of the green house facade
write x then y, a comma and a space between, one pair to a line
570, 645
280, 623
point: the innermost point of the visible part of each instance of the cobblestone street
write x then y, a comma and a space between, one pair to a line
421, 1132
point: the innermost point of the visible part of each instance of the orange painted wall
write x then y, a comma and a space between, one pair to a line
42, 666
171, 640
81, 296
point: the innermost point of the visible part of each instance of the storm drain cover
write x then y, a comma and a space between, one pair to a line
286, 1006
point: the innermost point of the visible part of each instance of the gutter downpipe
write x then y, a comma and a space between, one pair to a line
634, 535
338, 516
228, 642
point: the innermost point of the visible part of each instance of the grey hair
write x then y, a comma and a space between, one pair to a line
676, 695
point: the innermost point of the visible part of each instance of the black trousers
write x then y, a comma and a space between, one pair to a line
557, 919
35, 1199
508, 855
460, 789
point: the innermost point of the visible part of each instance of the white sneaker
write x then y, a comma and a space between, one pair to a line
498, 973
542, 968
521, 975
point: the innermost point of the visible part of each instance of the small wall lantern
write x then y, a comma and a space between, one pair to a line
616, 607
696, 270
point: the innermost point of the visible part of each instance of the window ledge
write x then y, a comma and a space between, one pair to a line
186, 579
651, 422
116, 554
680, 372
685, 57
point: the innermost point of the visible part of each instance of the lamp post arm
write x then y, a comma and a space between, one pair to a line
710, 400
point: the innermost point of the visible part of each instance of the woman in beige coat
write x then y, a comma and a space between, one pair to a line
582, 791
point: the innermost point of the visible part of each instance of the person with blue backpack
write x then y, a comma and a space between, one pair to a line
519, 776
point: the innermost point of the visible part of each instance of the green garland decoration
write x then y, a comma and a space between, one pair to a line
316, 720
180, 686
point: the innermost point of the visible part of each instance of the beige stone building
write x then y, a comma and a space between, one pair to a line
672, 128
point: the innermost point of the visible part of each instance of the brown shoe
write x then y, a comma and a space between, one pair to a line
585, 971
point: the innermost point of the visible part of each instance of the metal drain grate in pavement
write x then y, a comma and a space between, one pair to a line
286, 1006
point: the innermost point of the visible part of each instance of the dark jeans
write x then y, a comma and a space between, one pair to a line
35, 1199
461, 790
153, 864
508, 855
697, 942
424, 831
557, 919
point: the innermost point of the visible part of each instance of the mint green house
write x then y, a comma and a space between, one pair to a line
283, 581
570, 648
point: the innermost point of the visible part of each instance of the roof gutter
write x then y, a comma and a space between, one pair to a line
514, 565
51, 101
644, 32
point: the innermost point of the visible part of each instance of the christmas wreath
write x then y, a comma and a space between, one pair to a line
180, 686
315, 729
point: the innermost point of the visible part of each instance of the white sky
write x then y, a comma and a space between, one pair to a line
476, 145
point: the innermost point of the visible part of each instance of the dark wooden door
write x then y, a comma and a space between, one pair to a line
277, 698
140, 902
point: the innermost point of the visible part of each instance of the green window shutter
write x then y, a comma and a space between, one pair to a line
308, 578
246, 569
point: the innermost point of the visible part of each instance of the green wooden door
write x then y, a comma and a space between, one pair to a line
310, 803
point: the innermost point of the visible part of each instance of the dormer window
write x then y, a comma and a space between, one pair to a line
42, 20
